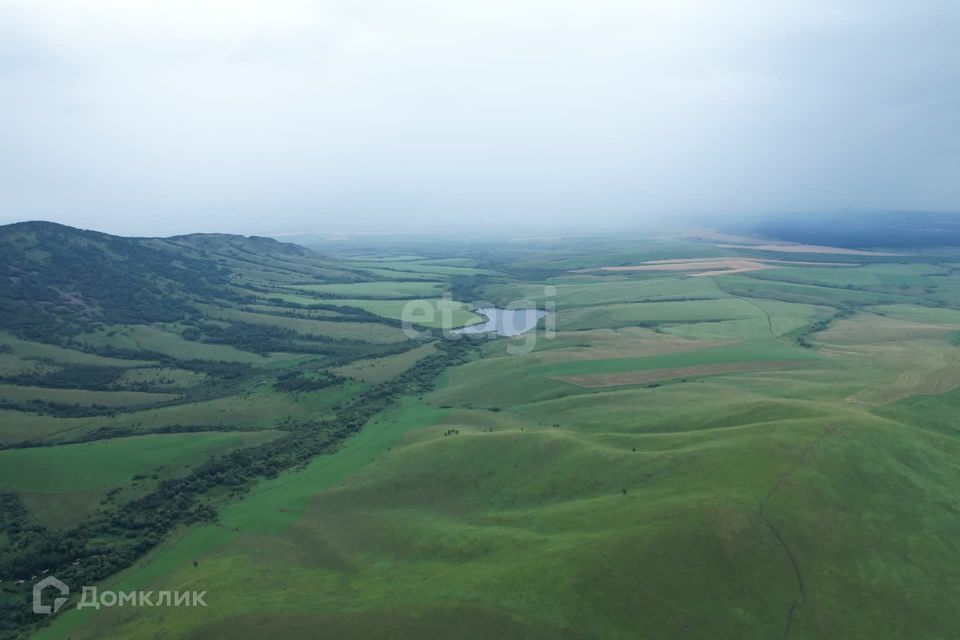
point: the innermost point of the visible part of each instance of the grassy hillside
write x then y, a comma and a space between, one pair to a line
757, 454
144, 382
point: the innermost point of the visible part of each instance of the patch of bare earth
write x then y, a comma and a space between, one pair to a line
807, 248
686, 265
711, 266
706, 266
736, 266
598, 380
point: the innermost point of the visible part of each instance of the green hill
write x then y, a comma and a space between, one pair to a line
57, 281
762, 454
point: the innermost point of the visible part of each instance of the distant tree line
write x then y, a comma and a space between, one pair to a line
302, 381
802, 337
69, 376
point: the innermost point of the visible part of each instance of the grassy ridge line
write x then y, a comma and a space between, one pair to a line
94, 550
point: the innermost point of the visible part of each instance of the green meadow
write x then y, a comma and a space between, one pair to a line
593, 291
420, 267
171, 343
259, 408
334, 328
651, 313
426, 312
62, 484
376, 289
752, 351
38, 351
84, 397
386, 368
434, 313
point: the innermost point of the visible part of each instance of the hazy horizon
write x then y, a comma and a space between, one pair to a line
301, 117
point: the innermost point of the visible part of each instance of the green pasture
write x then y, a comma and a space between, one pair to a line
759, 286
82, 397
309, 314
651, 313
37, 350
11, 365
168, 342
62, 484
750, 351
434, 313
385, 289
262, 408
403, 276
604, 255
605, 291
410, 266
916, 313
377, 370
362, 331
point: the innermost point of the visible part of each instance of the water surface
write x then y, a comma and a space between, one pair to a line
505, 322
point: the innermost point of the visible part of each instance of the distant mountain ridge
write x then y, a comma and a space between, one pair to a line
56, 280
246, 244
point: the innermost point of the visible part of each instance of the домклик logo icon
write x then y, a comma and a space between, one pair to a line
46, 609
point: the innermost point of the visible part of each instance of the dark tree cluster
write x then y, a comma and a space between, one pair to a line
56, 281
302, 381
70, 376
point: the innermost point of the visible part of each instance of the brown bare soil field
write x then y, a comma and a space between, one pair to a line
708, 265
712, 266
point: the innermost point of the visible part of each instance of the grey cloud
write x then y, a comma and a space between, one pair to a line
432, 115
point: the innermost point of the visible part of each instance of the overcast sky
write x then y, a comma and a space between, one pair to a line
143, 117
